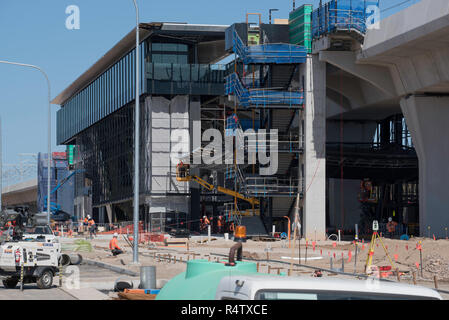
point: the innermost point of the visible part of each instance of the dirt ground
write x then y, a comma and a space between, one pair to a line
170, 260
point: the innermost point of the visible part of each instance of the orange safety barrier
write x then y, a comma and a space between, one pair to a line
141, 291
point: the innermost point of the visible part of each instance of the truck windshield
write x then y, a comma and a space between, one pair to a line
332, 295
38, 230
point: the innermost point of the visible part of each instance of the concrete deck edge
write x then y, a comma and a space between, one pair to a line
111, 267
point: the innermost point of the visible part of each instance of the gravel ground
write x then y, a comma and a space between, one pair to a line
404, 254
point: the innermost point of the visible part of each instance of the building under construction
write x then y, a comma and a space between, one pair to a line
273, 91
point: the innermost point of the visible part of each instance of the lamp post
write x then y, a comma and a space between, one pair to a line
136, 146
49, 128
270, 11
289, 231
1, 165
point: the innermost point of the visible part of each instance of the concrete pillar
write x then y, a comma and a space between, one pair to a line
427, 119
314, 75
109, 213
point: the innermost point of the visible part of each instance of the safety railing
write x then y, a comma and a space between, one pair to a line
341, 15
277, 53
251, 140
360, 147
262, 97
119, 227
266, 186
232, 173
232, 213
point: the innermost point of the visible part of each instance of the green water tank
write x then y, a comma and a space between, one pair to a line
201, 279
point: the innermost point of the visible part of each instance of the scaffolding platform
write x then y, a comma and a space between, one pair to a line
262, 97
342, 17
273, 53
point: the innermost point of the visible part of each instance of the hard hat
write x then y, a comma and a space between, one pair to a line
390, 219
204, 217
116, 234
88, 216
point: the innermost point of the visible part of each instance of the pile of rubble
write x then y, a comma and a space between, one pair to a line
436, 265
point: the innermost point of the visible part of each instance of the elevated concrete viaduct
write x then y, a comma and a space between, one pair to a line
403, 66
24, 193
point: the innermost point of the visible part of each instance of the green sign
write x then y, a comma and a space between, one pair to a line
71, 154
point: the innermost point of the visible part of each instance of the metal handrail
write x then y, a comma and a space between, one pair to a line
261, 96
268, 185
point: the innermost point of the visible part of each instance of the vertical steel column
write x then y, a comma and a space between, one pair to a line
49, 128
136, 145
1, 165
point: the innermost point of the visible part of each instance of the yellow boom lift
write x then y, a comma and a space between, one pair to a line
183, 174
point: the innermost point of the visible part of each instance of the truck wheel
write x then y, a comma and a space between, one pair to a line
10, 283
45, 281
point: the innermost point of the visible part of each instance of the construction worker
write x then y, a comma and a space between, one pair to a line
201, 224
231, 226
391, 227
183, 169
113, 245
92, 227
212, 225
86, 222
220, 224
206, 222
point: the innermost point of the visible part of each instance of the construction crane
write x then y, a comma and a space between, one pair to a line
183, 174
56, 208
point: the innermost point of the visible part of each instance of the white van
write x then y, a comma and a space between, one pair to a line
260, 287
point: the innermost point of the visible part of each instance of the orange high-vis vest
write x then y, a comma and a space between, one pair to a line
86, 220
391, 226
113, 244
219, 222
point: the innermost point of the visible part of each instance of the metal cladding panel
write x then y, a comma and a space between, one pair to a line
274, 33
242, 31
300, 26
167, 116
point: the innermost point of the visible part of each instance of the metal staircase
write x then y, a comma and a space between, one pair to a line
261, 97
262, 80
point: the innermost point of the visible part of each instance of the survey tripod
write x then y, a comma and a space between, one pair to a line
374, 238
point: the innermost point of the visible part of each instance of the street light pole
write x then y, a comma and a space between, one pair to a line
1, 165
49, 128
136, 145
270, 12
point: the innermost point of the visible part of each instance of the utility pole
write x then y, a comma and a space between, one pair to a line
49, 127
136, 146
1, 166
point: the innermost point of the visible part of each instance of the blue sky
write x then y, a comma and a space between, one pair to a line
34, 32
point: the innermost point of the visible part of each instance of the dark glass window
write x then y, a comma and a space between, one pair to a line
170, 53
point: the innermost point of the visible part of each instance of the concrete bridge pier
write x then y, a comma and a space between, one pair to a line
314, 159
428, 121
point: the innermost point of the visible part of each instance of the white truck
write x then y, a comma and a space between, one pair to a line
39, 261
26, 255
266, 287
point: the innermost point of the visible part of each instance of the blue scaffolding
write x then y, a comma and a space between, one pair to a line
276, 53
261, 97
341, 15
